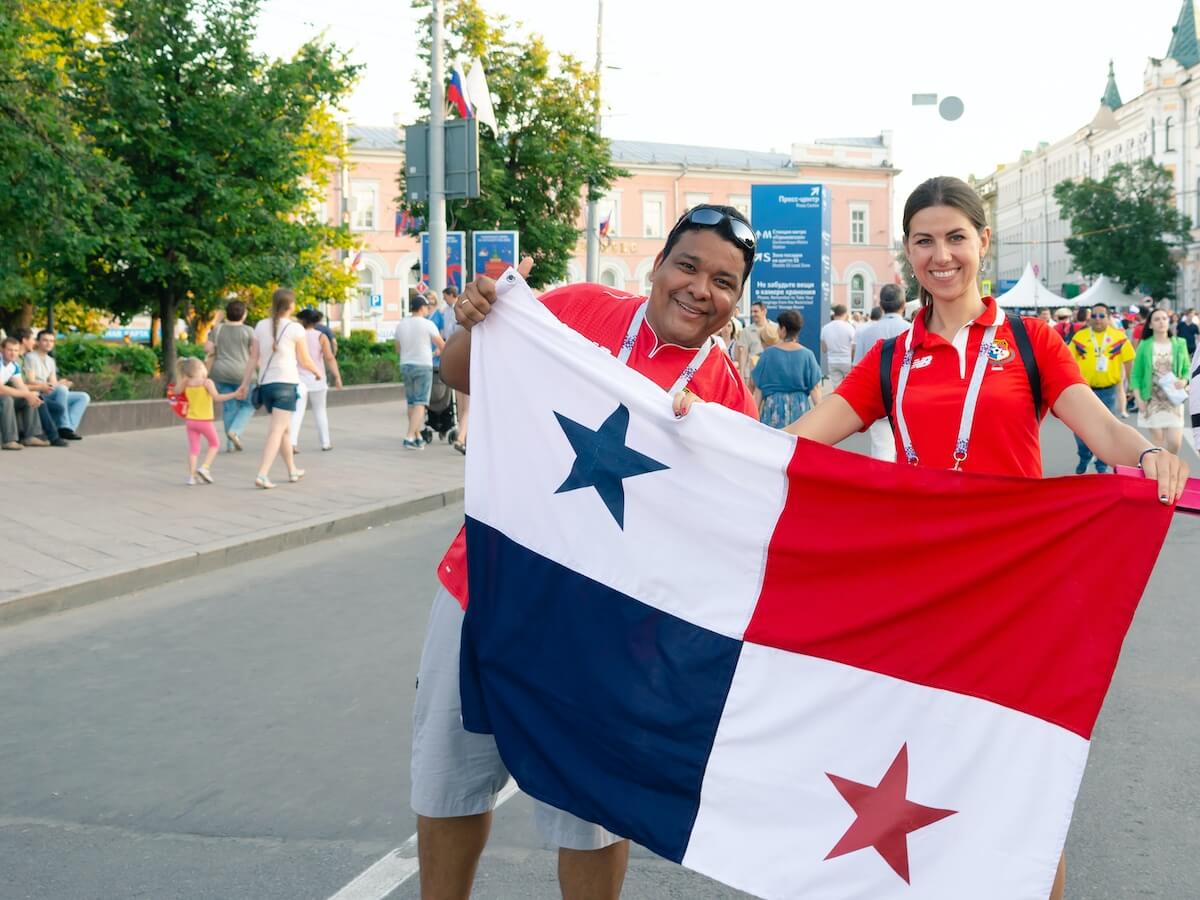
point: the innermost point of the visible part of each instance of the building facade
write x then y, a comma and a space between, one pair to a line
1161, 124
665, 180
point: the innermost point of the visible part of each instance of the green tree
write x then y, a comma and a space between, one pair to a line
533, 174
62, 198
217, 144
1126, 226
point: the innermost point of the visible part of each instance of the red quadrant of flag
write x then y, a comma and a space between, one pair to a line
961, 570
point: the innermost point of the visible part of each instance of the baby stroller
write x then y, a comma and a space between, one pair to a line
440, 414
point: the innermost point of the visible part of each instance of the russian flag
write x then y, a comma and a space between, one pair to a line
456, 94
798, 670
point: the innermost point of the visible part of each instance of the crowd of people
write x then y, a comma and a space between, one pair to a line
1137, 361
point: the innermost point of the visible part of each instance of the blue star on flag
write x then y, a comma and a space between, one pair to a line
603, 461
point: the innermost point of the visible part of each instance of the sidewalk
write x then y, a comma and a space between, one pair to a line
112, 513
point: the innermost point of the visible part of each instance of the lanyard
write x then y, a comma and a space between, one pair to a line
1102, 346
969, 402
689, 372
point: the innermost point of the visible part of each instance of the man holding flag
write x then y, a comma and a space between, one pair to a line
696, 283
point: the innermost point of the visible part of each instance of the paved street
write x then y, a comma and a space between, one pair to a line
120, 500
245, 735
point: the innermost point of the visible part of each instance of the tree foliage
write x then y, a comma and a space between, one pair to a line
1127, 227
217, 148
533, 174
61, 198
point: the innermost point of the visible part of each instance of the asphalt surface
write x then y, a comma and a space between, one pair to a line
245, 734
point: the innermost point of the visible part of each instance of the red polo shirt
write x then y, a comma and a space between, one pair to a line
603, 315
1005, 435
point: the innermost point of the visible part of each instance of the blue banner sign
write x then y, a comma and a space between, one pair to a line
136, 335
493, 252
456, 246
793, 267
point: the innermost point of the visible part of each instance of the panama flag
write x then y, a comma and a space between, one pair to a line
797, 670
456, 94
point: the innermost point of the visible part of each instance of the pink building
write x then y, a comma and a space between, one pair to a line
664, 180
667, 179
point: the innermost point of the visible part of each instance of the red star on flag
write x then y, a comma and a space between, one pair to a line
885, 816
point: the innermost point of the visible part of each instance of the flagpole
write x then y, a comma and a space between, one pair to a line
437, 159
593, 218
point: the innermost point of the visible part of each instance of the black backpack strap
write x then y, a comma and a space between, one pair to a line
1025, 347
886, 352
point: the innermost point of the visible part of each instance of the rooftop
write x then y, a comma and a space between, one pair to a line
375, 137
646, 152
1185, 47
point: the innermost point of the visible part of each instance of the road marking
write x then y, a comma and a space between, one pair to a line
396, 867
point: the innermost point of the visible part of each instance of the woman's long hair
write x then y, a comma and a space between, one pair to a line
282, 302
944, 190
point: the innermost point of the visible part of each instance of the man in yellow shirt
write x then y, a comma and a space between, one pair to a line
1104, 355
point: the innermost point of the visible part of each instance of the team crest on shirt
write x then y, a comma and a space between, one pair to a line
1000, 352
922, 361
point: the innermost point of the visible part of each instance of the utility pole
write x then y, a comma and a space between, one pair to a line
593, 216
437, 159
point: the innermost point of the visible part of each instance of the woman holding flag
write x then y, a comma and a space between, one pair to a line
967, 387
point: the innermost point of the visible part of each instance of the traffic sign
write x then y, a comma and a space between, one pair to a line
377, 301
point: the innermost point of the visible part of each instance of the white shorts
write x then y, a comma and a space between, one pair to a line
456, 772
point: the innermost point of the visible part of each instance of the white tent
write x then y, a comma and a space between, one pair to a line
1029, 293
1109, 293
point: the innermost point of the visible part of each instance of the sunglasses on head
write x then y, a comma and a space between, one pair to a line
711, 218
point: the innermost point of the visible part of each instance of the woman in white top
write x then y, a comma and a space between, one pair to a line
278, 351
313, 389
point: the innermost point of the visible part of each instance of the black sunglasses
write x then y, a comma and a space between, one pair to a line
711, 218
1099, 315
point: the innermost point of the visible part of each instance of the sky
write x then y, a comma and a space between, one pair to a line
762, 75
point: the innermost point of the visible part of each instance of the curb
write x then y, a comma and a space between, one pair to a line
94, 587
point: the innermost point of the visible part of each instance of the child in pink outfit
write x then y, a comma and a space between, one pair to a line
193, 382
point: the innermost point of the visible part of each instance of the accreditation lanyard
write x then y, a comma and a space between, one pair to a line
689, 372
969, 402
1101, 351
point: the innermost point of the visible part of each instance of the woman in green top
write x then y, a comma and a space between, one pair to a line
1160, 354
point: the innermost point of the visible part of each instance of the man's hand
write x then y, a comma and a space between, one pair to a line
479, 295
65, 382
33, 399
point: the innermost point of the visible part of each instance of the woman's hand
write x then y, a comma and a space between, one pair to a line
1169, 471
682, 402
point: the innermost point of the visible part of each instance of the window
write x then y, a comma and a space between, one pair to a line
858, 292
858, 223
653, 211
692, 198
363, 215
366, 287
740, 202
1167, 133
610, 208
608, 277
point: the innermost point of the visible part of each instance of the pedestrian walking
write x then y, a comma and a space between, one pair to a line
837, 343
1188, 328
278, 352
416, 339
228, 350
314, 389
787, 379
192, 382
961, 391
749, 342
1105, 358
1160, 364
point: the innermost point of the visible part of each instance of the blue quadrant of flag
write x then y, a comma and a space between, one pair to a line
572, 638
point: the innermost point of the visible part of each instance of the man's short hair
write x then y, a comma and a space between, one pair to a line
235, 311
1103, 306
44, 331
759, 303
891, 298
877, 313
417, 303
838, 310
451, 290
685, 224
9, 340
22, 334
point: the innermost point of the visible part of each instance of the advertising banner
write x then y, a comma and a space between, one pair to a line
793, 266
456, 248
493, 252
